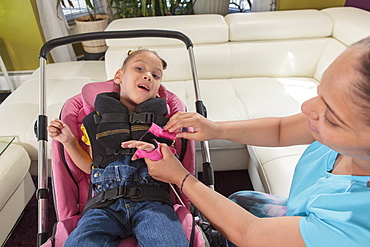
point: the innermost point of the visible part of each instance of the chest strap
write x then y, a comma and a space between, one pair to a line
127, 151
132, 118
139, 193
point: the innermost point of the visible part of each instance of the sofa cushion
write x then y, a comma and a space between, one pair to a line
272, 168
202, 29
279, 25
15, 163
350, 24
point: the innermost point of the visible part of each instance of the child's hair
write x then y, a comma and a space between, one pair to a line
131, 54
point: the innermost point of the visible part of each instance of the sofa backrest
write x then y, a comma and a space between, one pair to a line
207, 31
275, 44
278, 44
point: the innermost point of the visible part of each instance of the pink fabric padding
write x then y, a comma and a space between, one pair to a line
186, 219
156, 154
70, 195
90, 90
158, 131
63, 228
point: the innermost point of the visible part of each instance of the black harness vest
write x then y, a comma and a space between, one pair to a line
108, 127
119, 125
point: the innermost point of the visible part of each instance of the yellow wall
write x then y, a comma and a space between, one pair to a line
20, 36
308, 4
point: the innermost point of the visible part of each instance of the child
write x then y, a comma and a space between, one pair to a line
329, 198
127, 200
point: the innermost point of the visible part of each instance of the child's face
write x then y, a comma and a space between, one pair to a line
140, 79
336, 115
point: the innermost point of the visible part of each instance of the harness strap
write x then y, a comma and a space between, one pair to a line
98, 158
147, 118
127, 151
139, 193
132, 118
111, 118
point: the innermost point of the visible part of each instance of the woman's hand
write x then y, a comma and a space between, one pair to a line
202, 128
168, 169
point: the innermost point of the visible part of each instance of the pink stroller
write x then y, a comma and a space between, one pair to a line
70, 184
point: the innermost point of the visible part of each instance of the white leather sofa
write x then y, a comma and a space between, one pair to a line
249, 65
16, 186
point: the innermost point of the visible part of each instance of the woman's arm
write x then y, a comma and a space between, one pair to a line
234, 222
271, 132
59, 131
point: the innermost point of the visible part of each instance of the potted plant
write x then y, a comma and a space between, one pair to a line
211, 6
92, 22
143, 8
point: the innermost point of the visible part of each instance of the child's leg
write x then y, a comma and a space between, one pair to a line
100, 227
156, 224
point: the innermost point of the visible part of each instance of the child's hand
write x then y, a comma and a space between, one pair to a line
145, 146
168, 169
59, 131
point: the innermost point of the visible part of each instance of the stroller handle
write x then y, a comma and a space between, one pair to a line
144, 33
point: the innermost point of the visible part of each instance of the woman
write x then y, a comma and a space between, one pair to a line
329, 196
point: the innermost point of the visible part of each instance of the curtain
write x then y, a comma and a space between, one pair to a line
54, 25
263, 5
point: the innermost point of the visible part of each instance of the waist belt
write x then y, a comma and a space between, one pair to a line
139, 193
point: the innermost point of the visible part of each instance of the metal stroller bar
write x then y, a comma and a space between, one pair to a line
42, 122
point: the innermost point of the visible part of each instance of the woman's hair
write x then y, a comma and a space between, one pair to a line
362, 86
131, 54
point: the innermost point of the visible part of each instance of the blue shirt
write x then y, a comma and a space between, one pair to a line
335, 208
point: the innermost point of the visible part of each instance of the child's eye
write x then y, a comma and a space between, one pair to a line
156, 76
139, 68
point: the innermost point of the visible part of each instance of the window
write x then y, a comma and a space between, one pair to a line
79, 9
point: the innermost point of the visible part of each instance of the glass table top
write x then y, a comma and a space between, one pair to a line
5, 141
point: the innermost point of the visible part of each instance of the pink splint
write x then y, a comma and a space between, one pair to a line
71, 185
156, 154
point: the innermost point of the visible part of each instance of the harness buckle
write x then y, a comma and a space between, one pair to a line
144, 117
112, 194
136, 193
121, 192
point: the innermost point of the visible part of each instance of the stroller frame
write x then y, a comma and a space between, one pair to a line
42, 121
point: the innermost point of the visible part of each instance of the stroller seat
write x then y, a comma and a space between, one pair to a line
71, 185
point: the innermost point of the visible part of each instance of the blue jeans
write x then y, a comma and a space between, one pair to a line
152, 223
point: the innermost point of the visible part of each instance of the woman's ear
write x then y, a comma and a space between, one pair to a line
118, 76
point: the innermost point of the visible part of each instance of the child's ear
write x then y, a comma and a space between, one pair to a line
118, 76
